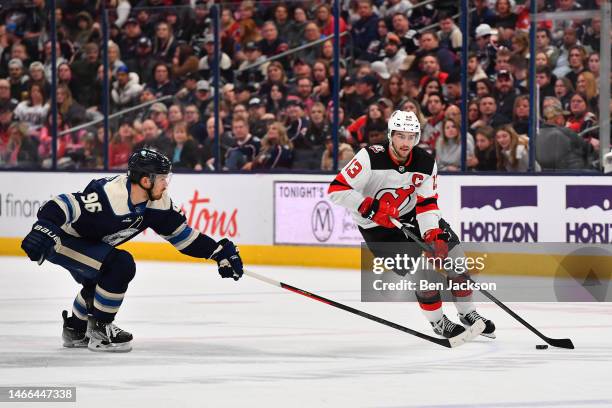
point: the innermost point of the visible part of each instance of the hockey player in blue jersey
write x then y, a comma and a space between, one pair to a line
81, 231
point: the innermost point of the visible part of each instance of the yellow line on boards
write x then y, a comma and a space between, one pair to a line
513, 264
332, 257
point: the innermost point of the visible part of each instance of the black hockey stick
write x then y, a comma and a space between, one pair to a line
467, 335
561, 343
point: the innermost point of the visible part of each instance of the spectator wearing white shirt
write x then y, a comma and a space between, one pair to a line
395, 55
391, 7
33, 111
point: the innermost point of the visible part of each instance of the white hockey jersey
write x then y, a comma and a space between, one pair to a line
373, 172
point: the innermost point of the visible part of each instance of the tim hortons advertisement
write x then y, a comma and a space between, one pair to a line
207, 202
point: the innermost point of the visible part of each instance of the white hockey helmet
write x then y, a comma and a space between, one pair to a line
404, 121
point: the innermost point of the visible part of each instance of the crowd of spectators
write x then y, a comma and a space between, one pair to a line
277, 112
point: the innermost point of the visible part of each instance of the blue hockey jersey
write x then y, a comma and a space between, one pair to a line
103, 211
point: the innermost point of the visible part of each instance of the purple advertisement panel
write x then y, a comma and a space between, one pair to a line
594, 201
303, 215
499, 214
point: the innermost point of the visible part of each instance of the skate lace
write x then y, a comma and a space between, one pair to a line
113, 330
447, 324
473, 316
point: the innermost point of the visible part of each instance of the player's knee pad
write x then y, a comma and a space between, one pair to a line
119, 267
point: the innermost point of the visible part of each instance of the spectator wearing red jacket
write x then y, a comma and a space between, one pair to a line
120, 147
582, 118
325, 20
431, 67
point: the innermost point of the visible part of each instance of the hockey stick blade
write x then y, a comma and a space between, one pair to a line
450, 343
561, 343
468, 335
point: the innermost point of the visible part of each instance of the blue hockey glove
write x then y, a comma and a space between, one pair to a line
228, 260
38, 243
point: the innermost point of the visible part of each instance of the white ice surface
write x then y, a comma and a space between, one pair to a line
200, 341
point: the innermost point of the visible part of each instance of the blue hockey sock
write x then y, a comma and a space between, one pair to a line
106, 304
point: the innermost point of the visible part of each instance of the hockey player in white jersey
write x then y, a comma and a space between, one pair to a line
399, 180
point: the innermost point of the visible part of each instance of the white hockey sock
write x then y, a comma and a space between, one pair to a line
464, 305
432, 312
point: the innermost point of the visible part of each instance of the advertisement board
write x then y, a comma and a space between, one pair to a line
304, 215
223, 206
531, 209
596, 200
267, 209
479, 208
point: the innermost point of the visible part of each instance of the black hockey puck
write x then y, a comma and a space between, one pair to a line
541, 346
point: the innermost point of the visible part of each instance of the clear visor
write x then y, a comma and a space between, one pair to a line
163, 178
405, 136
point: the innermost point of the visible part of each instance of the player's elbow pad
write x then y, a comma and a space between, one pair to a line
52, 212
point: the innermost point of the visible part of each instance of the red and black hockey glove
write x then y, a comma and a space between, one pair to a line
438, 239
378, 211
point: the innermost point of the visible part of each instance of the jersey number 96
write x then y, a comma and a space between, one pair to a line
91, 202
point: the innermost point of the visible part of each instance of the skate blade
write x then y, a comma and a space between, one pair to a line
72, 343
80, 344
104, 348
489, 335
468, 335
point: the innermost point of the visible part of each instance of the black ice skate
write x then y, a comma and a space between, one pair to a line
72, 336
472, 317
446, 328
110, 338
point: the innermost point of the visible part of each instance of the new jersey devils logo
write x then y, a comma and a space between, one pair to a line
398, 197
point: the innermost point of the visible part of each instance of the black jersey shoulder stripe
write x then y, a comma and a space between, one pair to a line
379, 157
335, 182
422, 162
